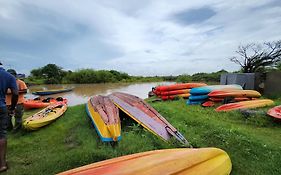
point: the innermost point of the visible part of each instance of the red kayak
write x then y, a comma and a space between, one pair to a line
41, 103
172, 97
175, 92
275, 112
178, 86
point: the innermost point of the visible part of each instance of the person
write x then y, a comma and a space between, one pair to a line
22, 89
6, 81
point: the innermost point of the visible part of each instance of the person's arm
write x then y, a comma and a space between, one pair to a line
15, 96
15, 93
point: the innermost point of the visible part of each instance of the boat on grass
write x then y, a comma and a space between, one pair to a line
146, 116
105, 118
203, 161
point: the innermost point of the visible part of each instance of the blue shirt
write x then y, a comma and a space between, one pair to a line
6, 81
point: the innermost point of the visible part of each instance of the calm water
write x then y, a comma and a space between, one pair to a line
82, 92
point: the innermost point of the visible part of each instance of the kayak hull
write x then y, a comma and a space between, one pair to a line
275, 112
105, 118
235, 93
203, 161
245, 105
146, 116
207, 89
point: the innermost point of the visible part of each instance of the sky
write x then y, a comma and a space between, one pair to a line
147, 37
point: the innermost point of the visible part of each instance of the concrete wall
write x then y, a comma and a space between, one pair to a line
272, 85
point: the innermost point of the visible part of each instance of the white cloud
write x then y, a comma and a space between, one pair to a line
138, 37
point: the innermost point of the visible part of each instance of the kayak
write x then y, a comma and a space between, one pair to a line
146, 116
207, 89
198, 97
175, 92
52, 91
275, 112
105, 118
208, 104
45, 116
178, 86
40, 103
234, 93
202, 161
195, 102
236, 99
245, 105
172, 97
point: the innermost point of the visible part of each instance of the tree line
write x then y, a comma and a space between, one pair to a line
53, 74
253, 57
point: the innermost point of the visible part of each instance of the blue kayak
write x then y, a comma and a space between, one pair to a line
195, 102
204, 90
52, 91
198, 97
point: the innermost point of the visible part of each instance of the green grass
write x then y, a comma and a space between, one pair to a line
253, 143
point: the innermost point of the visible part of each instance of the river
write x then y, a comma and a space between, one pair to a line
81, 92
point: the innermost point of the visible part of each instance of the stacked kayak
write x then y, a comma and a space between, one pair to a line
52, 91
41, 103
203, 161
275, 112
105, 118
245, 105
45, 116
146, 116
170, 92
199, 95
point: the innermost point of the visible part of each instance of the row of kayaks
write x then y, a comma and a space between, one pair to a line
233, 97
103, 112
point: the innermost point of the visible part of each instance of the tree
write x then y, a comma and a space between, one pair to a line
51, 73
255, 57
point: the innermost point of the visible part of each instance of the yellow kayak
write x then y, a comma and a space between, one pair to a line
203, 161
245, 105
234, 93
105, 118
45, 116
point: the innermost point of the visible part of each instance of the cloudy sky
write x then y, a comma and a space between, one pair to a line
140, 37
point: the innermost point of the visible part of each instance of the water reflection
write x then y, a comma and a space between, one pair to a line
82, 92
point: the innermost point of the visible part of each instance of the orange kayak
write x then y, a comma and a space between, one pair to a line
202, 161
237, 99
175, 92
41, 103
179, 86
234, 93
172, 97
245, 105
275, 112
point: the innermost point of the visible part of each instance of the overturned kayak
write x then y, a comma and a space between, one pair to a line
105, 117
45, 116
41, 103
172, 97
275, 112
234, 93
175, 92
52, 91
147, 116
245, 105
178, 86
207, 89
202, 161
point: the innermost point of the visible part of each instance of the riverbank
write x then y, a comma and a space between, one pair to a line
253, 143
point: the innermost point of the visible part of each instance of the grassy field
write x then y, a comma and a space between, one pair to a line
253, 143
